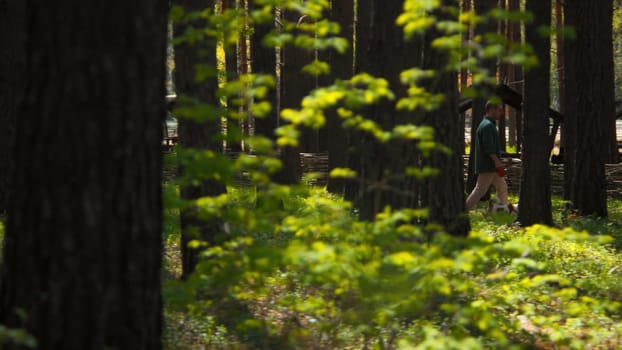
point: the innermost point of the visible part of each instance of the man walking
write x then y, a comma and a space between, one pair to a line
488, 166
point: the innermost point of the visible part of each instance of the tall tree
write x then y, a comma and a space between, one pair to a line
336, 139
263, 61
512, 74
590, 102
236, 63
465, 6
571, 114
489, 67
445, 192
516, 117
197, 135
561, 68
294, 85
82, 251
535, 189
12, 64
383, 52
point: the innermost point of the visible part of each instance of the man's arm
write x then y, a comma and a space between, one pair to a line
496, 160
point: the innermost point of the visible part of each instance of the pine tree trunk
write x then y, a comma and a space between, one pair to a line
535, 193
236, 137
197, 135
12, 65
383, 52
465, 6
82, 253
513, 72
295, 85
571, 113
482, 7
591, 97
336, 139
263, 61
445, 195
561, 68
235, 57
518, 78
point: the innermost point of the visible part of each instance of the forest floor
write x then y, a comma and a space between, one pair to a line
185, 329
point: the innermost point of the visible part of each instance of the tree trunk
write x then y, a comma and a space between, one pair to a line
383, 52
513, 76
82, 252
195, 135
445, 192
236, 138
518, 77
295, 85
263, 60
336, 138
465, 6
505, 69
590, 78
535, 192
561, 68
604, 45
12, 65
482, 7
235, 60
570, 117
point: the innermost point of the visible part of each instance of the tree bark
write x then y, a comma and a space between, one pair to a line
465, 6
235, 65
195, 135
561, 68
336, 139
445, 192
82, 251
571, 115
591, 98
482, 7
383, 52
518, 77
12, 65
513, 76
535, 190
295, 85
263, 61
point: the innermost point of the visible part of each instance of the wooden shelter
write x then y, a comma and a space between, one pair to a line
514, 99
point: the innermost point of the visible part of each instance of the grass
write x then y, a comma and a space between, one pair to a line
611, 225
565, 291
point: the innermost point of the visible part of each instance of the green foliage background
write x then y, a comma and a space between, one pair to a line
295, 269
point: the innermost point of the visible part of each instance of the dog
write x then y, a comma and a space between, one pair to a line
495, 206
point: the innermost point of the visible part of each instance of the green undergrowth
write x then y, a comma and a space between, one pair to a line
311, 276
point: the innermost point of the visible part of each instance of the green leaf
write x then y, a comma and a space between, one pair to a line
342, 173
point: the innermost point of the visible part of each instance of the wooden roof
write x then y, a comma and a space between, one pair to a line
511, 98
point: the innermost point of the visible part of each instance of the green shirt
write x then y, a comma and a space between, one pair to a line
486, 143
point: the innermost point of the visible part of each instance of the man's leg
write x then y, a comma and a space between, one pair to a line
484, 181
501, 187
